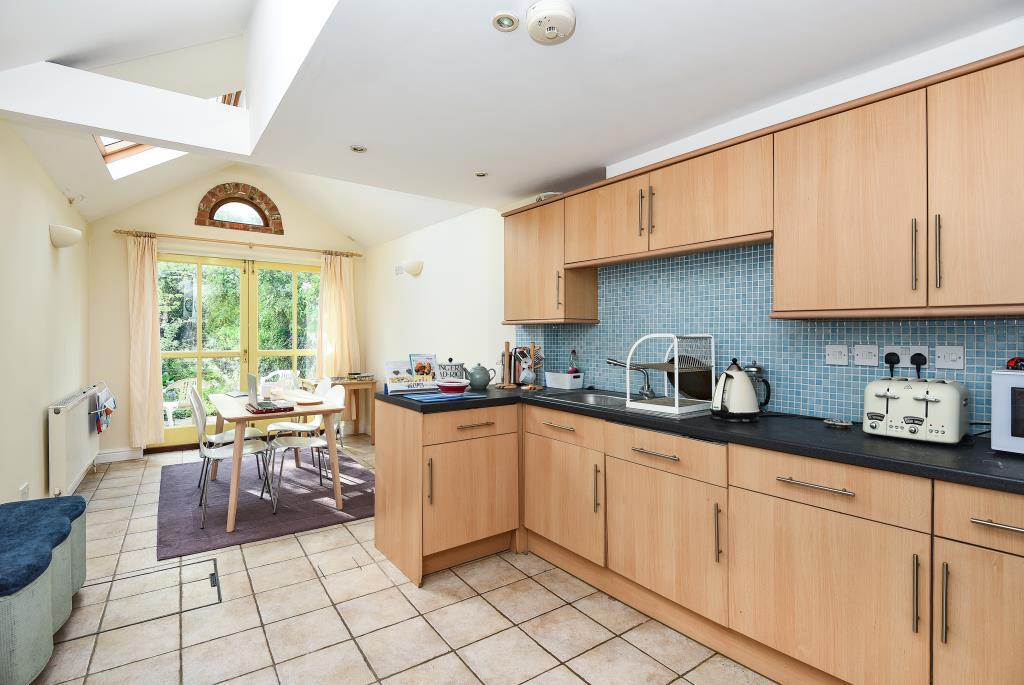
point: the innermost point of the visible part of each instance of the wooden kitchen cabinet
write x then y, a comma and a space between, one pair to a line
668, 533
564, 495
851, 202
721, 195
843, 594
976, 188
537, 285
610, 221
982, 600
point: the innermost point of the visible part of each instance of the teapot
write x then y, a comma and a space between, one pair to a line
479, 377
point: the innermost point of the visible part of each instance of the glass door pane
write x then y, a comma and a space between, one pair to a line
274, 292
222, 310
177, 297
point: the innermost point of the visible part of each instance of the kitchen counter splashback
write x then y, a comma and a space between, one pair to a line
728, 294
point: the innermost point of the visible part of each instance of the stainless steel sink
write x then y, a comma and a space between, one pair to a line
591, 397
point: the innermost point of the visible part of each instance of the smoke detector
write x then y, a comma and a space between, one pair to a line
551, 22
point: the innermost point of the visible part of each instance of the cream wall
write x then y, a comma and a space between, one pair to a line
174, 212
452, 309
44, 313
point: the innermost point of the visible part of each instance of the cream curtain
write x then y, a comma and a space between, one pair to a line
338, 350
145, 391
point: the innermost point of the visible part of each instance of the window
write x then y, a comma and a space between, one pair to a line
239, 212
241, 207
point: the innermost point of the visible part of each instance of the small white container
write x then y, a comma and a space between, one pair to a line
564, 381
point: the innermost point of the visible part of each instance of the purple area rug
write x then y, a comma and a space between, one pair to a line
304, 504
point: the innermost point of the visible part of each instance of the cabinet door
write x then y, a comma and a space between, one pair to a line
564, 495
984, 602
533, 263
850, 206
471, 491
834, 591
975, 187
723, 194
667, 533
610, 221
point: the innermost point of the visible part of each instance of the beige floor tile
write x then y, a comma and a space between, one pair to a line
396, 576
144, 607
139, 583
467, 621
530, 564
100, 567
439, 589
141, 559
147, 498
100, 531
228, 562
362, 530
218, 620
611, 613
224, 658
83, 621
108, 515
508, 658
69, 661
271, 552
371, 612
488, 573
110, 493
566, 632
91, 594
343, 662
95, 505
152, 486
523, 600
134, 643
103, 547
673, 649
719, 670
325, 539
568, 587
141, 525
200, 593
264, 676
292, 600
371, 549
282, 573
355, 583
158, 670
134, 541
447, 669
556, 676
305, 633
617, 662
401, 646
340, 559
144, 510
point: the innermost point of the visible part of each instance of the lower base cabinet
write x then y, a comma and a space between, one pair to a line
846, 595
980, 594
667, 533
564, 495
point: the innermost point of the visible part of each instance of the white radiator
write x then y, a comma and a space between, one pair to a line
74, 441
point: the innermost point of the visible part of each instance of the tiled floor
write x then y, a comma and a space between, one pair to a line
325, 606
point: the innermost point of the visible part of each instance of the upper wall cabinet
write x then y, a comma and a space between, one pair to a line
720, 195
537, 286
610, 221
850, 205
976, 187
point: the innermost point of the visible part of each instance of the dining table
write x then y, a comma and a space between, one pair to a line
233, 410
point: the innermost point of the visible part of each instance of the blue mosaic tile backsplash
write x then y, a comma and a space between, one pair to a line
728, 294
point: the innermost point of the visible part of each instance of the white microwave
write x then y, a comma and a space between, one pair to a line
1008, 410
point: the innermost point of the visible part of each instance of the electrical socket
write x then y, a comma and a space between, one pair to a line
905, 352
949, 357
865, 355
837, 355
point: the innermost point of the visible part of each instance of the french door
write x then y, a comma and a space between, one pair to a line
221, 319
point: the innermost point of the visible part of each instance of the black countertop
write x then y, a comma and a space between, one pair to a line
972, 462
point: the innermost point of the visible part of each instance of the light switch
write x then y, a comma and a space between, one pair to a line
837, 355
949, 356
865, 355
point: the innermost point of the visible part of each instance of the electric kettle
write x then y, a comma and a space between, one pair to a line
735, 398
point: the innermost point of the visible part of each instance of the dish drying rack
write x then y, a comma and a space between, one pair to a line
685, 354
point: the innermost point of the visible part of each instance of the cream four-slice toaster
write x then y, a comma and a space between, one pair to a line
916, 409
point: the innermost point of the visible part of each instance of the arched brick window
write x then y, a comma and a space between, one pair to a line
239, 206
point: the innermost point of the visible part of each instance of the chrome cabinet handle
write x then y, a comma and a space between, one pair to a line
596, 503
938, 251
558, 289
718, 544
465, 426
559, 426
662, 455
640, 214
944, 628
650, 210
792, 481
992, 524
430, 480
915, 608
913, 254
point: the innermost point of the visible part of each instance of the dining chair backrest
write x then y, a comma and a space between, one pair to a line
335, 395
283, 377
322, 386
198, 413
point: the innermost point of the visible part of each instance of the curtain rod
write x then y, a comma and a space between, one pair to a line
222, 241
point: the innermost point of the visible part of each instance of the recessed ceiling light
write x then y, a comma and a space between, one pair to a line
480, 174
357, 148
505, 22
